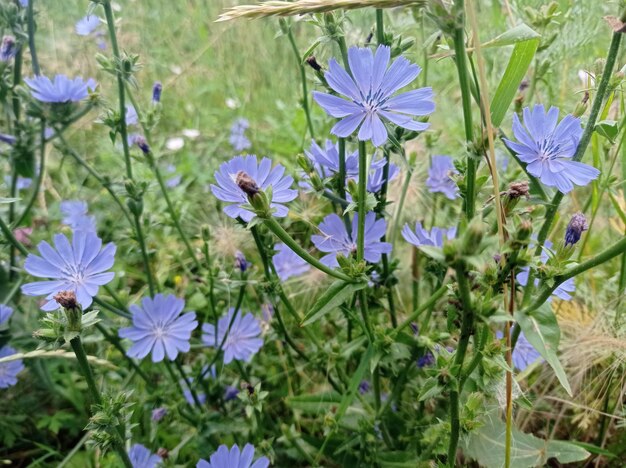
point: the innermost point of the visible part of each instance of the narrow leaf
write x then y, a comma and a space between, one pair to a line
336, 295
519, 62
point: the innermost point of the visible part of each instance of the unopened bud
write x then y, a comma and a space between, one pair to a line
304, 163
240, 261
581, 107
157, 88
142, 144
163, 453
473, 236
312, 62
247, 184
206, 232
8, 48
575, 228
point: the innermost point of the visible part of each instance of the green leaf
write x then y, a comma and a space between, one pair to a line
519, 62
336, 295
4, 201
486, 446
520, 33
397, 460
356, 379
541, 329
319, 403
608, 129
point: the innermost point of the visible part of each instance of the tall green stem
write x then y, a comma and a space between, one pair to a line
144, 253
85, 368
360, 238
108, 12
279, 232
31, 37
467, 325
42, 165
17, 78
466, 100
305, 92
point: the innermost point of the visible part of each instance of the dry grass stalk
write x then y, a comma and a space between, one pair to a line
303, 7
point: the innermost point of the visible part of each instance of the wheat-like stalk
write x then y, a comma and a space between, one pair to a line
302, 7
55, 354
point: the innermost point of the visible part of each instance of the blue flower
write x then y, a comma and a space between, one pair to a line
427, 360
370, 95
141, 457
234, 458
75, 216
238, 139
262, 173
9, 370
131, 116
7, 49
63, 89
421, 236
562, 291
335, 239
158, 327
21, 183
80, 267
288, 263
243, 340
548, 148
188, 395
326, 160
230, 393
85, 26
158, 414
439, 177
524, 353
364, 387
8, 139
5, 313
376, 178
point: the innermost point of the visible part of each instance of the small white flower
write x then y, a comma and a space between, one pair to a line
174, 143
192, 133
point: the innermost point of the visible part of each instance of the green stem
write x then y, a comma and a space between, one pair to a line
552, 208
85, 368
478, 356
144, 254
279, 232
11, 238
17, 78
42, 165
107, 186
111, 338
467, 325
360, 238
466, 99
382, 205
31, 38
108, 12
616, 249
305, 92
380, 29
110, 308
430, 302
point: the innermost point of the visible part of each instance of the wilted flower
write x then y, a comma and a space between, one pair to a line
157, 89
141, 143
428, 359
421, 236
158, 414
63, 89
263, 175
75, 216
7, 49
548, 148
238, 139
80, 267
85, 26
174, 181
243, 339
159, 327
141, 457
439, 177
288, 263
5, 313
369, 95
22, 235
9, 370
335, 239
575, 228
224, 458
364, 387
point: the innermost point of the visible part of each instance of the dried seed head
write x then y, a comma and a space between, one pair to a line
67, 299
518, 189
575, 228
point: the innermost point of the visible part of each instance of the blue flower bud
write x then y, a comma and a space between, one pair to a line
157, 88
